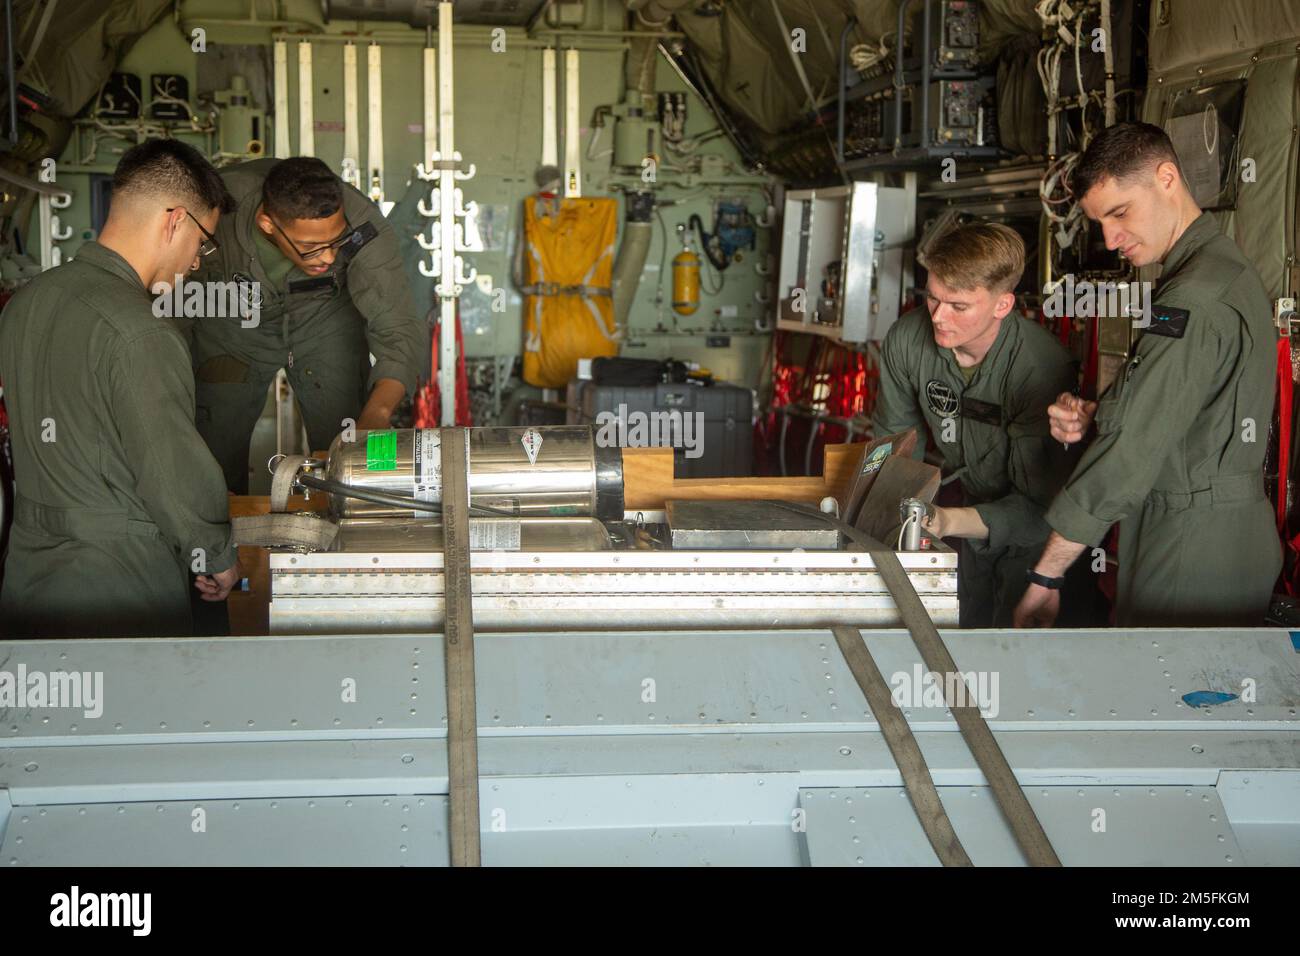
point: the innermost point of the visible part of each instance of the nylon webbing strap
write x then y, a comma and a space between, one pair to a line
551, 288
309, 532
282, 479
902, 744
462, 716
983, 746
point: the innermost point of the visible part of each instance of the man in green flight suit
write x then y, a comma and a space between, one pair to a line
118, 498
324, 287
1182, 431
979, 378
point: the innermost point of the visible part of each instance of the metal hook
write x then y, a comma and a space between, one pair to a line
461, 277
431, 272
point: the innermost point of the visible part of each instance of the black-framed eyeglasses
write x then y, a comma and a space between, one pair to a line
316, 251
209, 244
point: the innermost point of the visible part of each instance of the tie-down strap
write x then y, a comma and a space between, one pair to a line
1020, 816
552, 288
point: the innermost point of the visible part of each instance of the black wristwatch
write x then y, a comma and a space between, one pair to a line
1033, 577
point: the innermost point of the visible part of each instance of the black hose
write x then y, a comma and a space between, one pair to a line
698, 225
10, 74
404, 502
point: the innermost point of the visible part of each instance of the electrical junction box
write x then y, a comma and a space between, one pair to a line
842, 258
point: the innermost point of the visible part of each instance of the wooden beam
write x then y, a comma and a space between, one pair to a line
648, 480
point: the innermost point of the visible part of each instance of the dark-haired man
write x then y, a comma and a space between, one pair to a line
331, 290
1181, 433
979, 378
118, 498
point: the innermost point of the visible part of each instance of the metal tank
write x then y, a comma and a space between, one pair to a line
554, 471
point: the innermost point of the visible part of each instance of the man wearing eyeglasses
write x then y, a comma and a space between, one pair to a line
328, 289
118, 498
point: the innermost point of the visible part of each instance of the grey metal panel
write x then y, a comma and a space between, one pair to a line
103, 771
860, 262
245, 688
263, 688
1139, 826
107, 771
588, 767
317, 831
654, 845
1264, 807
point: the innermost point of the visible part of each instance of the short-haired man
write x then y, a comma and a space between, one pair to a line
1182, 431
118, 498
979, 378
330, 290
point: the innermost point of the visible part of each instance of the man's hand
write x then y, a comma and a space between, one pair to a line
216, 587
384, 397
1038, 608
955, 523
1071, 417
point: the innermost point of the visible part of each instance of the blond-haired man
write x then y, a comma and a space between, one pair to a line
979, 378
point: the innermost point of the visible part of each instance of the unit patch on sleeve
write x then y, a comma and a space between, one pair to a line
1168, 321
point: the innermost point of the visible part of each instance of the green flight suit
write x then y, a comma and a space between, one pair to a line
1179, 453
115, 488
320, 329
1000, 446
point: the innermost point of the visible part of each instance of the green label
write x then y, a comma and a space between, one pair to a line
381, 451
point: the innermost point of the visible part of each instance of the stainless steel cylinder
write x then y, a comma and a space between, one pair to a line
539, 472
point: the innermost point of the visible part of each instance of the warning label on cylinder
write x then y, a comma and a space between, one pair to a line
487, 534
427, 471
532, 442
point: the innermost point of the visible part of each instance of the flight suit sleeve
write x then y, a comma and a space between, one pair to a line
1036, 465
1140, 420
396, 334
151, 387
897, 407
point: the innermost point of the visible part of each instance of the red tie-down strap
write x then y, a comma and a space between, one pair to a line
1284, 401
1290, 582
428, 400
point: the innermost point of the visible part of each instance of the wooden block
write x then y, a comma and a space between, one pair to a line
897, 479
648, 481
869, 461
